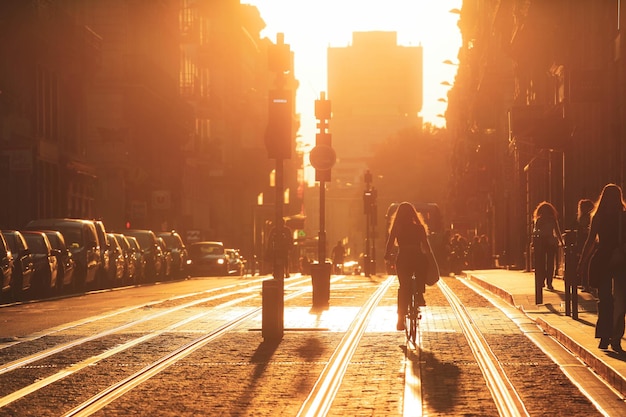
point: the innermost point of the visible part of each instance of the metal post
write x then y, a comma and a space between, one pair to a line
278, 269
322, 158
571, 288
321, 248
278, 141
367, 195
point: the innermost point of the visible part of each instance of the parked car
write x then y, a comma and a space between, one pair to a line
104, 273
46, 266
130, 265
138, 258
117, 262
166, 265
152, 252
65, 260
6, 269
235, 262
81, 238
23, 264
207, 258
179, 253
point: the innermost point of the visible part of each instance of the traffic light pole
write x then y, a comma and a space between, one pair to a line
322, 158
278, 141
369, 208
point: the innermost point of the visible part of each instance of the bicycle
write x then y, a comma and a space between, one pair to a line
413, 316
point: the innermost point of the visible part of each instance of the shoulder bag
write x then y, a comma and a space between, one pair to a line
432, 273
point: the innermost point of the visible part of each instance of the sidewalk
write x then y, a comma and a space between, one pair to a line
518, 289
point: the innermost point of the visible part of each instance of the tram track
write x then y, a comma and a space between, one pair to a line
504, 394
90, 361
319, 401
331, 357
65, 346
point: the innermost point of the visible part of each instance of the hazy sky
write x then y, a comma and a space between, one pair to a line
310, 26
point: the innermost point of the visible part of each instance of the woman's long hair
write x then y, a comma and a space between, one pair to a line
585, 208
610, 202
405, 215
545, 210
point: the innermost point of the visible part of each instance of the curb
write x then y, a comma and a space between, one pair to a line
605, 371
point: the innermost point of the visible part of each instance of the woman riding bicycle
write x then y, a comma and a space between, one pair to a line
410, 232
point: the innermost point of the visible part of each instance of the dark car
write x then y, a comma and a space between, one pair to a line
46, 266
179, 253
105, 253
81, 238
166, 265
130, 266
208, 258
65, 260
117, 261
138, 258
235, 262
23, 264
6, 269
152, 252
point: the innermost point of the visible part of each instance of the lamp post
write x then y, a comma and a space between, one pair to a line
322, 158
278, 141
369, 208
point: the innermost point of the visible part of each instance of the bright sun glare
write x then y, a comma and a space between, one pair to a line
311, 26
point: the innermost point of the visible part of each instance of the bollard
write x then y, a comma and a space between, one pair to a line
538, 291
571, 284
272, 310
320, 280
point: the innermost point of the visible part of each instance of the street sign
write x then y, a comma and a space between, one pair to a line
323, 157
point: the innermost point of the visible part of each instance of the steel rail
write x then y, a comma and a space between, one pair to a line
105, 397
504, 394
320, 399
91, 320
64, 346
41, 383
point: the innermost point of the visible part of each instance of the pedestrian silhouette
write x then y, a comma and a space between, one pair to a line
546, 238
280, 241
607, 223
410, 233
339, 254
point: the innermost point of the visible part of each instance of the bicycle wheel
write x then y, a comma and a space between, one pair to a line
411, 321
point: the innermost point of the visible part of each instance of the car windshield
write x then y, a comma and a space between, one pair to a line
73, 236
123, 242
11, 242
172, 241
36, 243
207, 249
55, 242
144, 239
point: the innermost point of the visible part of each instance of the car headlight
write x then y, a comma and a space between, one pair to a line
220, 261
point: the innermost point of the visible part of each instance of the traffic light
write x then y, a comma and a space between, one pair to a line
369, 204
323, 139
278, 137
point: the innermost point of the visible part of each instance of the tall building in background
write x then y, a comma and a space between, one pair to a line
375, 86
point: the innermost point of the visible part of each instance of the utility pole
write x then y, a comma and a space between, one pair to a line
370, 210
278, 142
322, 158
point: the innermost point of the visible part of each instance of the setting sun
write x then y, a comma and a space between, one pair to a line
310, 27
